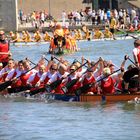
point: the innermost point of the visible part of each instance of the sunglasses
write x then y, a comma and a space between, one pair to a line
53, 69
72, 69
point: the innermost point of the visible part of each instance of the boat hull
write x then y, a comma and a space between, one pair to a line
81, 98
93, 98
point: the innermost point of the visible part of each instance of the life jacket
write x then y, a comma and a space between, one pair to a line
18, 82
74, 87
138, 55
25, 77
68, 44
108, 85
46, 79
88, 81
6, 71
52, 45
35, 80
4, 48
58, 89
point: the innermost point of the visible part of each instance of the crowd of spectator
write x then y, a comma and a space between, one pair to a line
124, 17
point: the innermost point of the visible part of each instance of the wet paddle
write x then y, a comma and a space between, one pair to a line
74, 81
8, 83
84, 88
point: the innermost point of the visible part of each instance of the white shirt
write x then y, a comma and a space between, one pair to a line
46, 74
56, 75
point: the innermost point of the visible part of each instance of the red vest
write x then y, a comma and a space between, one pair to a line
17, 83
75, 87
4, 47
46, 79
5, 74
24, 78
35, 80
58, 90
108, 86
138, 56
88, 81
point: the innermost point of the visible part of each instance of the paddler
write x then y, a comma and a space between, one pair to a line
29, 38
47, 75
66, 30
17, 84
113, 25
4, 49
47, 37
79, 35
97, 34
59, 39
34, 78
24, 36
75, 34
106, 86
62, 73
136, 52
88, 78
12, 36
37, 36
107, 33
26, 76
88, 35
17, 37
8, 70
73, 76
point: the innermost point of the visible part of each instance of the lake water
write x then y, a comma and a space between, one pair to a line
27, 120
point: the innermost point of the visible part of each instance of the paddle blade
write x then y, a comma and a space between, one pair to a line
34, 92
69, 85
55, 84
5, 85
48, 88
82, 89
64, 89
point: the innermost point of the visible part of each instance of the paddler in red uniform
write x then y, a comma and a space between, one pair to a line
4, 49
73, 76
26, 76
88, 78
47, 75
60, 74
7, 71
136, 52
34, 78
107, 84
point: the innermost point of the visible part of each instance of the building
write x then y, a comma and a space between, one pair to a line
114, 4
53, 7
8, 15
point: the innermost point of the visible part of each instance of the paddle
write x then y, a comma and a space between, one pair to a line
36, 91
126, 34
30, 61
45, 58
53, 85
74, 81
84, 88
8, 83
127, 57
131, 36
